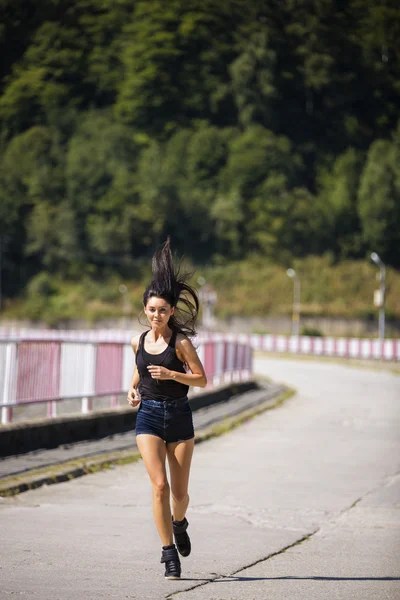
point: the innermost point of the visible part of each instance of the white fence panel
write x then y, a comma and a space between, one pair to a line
329, 346
256, 341
376, 348
388, 348
219, 358
77, 373
341, 347
267, 342
248, 363
8, 373
354, 348
294, 344
305, 345
365, 349
281, 343
231, 357
128, 366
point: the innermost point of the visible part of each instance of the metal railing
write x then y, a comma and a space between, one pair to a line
37, 371
369, 348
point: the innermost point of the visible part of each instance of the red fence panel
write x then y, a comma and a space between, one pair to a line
209, 360
38, 374
108, 368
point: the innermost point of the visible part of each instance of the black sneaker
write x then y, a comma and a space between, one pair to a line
170, 557
182, 539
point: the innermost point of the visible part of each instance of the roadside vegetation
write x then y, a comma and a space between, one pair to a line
259, 135
253, 287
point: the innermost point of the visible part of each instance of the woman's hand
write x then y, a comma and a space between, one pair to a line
157, 372
133, 397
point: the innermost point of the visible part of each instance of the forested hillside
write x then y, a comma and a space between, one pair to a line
240, 128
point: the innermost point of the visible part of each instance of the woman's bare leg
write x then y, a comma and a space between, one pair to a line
179, 459
153, 451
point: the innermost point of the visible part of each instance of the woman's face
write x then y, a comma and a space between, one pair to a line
158, 312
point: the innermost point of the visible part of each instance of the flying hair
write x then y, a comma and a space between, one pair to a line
170, 284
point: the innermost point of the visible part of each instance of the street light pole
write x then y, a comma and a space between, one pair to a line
296, 301
208, 296
380, 300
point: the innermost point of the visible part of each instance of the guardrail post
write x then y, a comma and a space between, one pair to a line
10, 383
51, 409
86, 405
6, 415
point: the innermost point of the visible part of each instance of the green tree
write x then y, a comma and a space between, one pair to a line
100, 170
379, 199
52, 234
288, 222
237, 127
376, 33
259, 168
102, 22
72, 61
253, 84
32, 183
338, 185
47, 81
176, 61
193, 163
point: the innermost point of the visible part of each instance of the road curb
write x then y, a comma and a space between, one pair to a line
51, 432
77, 468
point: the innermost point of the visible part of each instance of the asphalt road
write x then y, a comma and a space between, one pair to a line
300, 502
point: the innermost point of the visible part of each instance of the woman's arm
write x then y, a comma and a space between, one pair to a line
135, 379
133, 395
186, 352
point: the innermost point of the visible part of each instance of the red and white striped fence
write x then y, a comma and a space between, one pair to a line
324, 346
37, 371
51, 365
65, 335
319, 346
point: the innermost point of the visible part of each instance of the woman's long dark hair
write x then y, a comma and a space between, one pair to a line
170, 284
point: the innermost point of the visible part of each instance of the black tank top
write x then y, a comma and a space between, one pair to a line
158, 389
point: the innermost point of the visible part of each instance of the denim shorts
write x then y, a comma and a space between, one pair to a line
170, 420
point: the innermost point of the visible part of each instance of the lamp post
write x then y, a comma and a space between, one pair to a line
208, 296
379, 296
296, 301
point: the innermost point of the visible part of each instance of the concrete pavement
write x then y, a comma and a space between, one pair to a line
300, 502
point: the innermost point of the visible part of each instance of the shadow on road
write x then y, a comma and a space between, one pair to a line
311, 578
233, 578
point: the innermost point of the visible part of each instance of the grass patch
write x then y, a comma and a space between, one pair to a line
257, 287
66, 471
355, 363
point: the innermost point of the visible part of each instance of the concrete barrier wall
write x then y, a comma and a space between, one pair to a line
19, 438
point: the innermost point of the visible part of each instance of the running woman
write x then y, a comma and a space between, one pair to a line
160, 383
